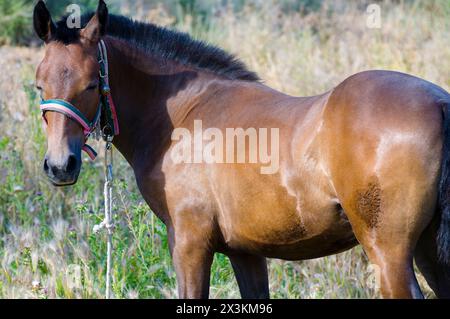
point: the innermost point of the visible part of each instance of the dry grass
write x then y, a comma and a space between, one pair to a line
45, 232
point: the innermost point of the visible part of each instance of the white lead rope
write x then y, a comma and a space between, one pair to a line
107, 223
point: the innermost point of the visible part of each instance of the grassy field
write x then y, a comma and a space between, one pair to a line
46, 237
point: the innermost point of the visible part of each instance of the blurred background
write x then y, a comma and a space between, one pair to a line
301, 47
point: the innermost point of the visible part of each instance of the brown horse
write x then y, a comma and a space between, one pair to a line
365, 163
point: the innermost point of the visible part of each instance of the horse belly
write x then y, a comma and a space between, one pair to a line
266, 220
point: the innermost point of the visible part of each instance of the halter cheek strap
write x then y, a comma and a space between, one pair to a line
106, 105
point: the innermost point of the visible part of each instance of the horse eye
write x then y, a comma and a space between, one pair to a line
40, 92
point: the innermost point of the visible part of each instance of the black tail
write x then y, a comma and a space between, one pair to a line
443, 237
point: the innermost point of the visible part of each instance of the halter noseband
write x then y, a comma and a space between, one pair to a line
106, 105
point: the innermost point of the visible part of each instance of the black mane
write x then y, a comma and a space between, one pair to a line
165, 43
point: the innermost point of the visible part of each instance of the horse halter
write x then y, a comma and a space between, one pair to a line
106, 106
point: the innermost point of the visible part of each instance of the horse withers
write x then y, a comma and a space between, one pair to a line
367, 162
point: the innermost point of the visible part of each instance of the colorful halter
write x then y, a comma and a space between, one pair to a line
106, 106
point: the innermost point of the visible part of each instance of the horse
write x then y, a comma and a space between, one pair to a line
366, 163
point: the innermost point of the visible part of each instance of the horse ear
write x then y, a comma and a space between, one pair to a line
42, 21
96, 27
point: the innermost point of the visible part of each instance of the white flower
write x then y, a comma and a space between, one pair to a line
36, 284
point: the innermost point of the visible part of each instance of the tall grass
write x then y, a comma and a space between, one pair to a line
46, 233
15, 17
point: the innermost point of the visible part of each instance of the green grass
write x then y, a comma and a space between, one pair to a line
15, 17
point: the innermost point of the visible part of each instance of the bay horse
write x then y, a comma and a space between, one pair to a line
365, 163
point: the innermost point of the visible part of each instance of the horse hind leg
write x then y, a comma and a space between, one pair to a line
388, 222
397, 278
436, 274
433, 249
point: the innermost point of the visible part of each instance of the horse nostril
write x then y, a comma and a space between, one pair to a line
71, 163
46, 168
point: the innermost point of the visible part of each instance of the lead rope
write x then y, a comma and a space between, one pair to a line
109, 178
108, 223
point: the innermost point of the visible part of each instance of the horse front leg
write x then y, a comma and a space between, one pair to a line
251, 275
192, 259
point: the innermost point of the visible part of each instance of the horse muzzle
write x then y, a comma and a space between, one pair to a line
63, 171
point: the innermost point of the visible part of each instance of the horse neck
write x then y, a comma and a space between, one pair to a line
151, 97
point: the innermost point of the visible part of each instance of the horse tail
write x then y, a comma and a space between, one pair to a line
443, 235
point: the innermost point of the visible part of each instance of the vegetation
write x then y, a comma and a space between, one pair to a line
16, 15
299, 47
